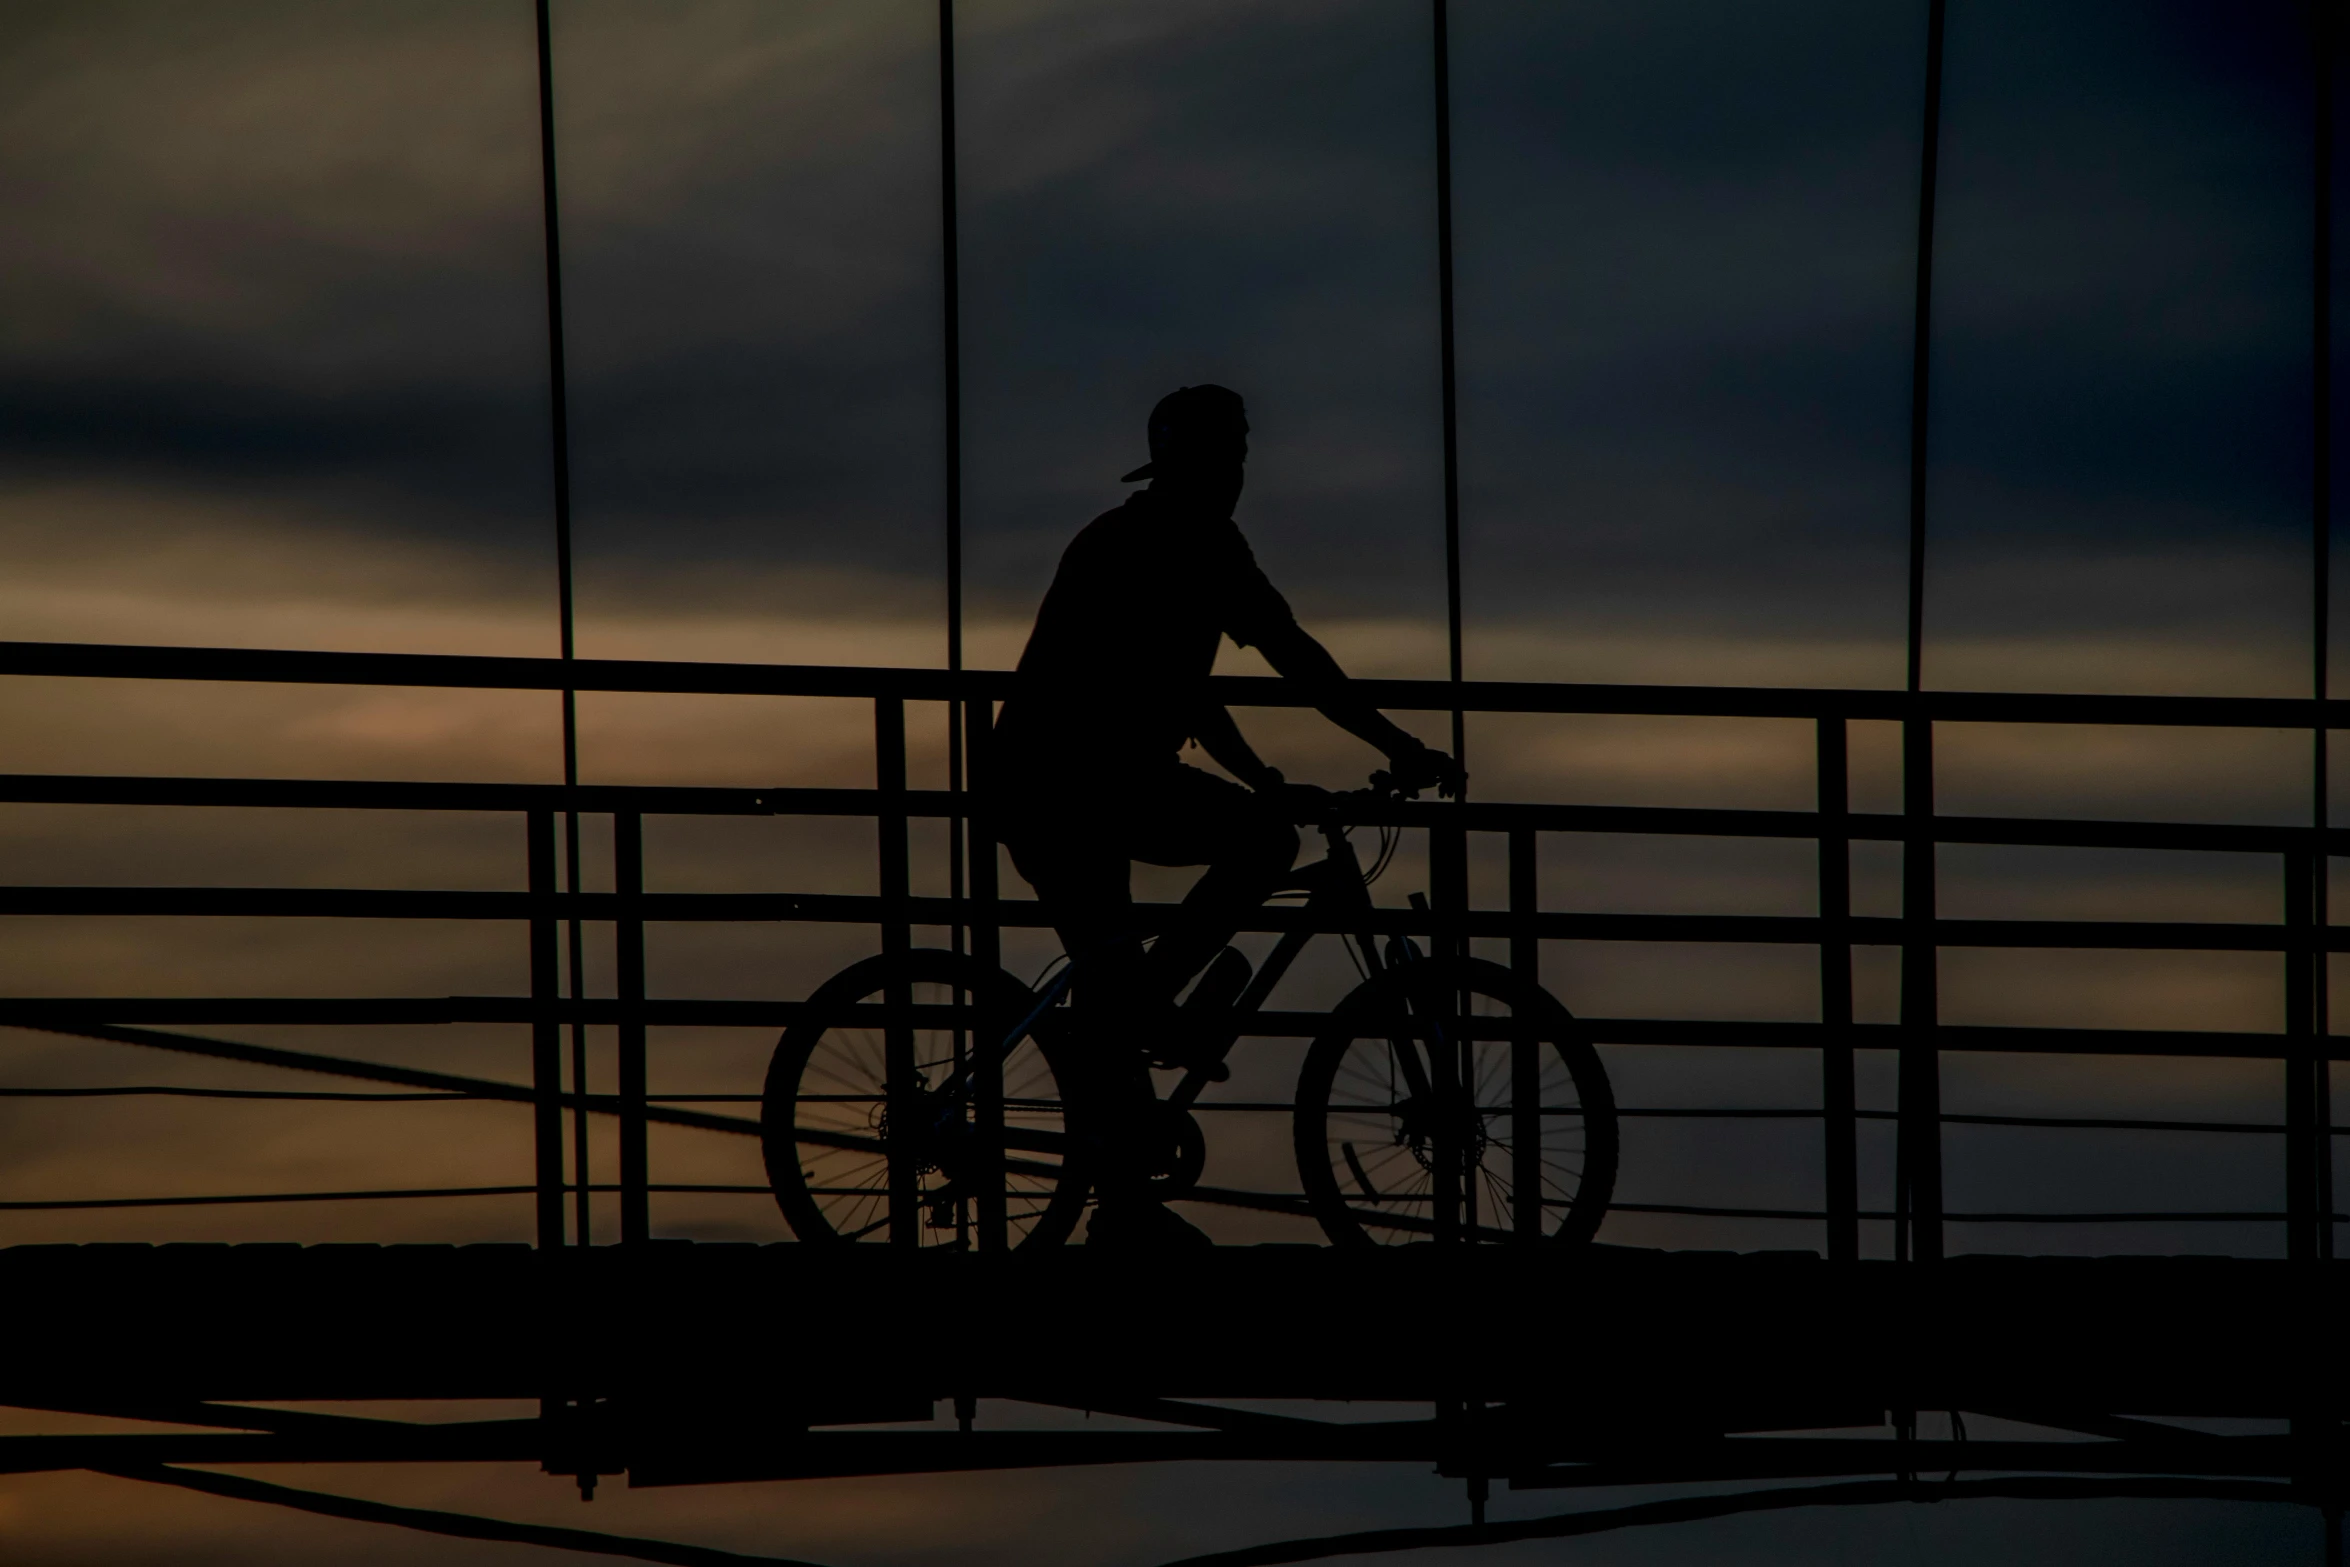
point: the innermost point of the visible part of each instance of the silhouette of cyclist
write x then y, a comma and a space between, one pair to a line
1087, 777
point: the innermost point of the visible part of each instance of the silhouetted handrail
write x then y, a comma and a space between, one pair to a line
96, 660
393, 1194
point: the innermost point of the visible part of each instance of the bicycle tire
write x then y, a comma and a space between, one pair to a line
823, 1114
1361, 1132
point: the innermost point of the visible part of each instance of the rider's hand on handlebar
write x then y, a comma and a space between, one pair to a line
1425, 767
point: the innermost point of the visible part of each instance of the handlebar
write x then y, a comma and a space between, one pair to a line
1317, 806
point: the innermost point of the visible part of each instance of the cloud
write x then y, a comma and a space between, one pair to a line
298, 257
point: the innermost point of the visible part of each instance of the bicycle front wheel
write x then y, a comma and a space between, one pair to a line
1452, 1100
854, 1157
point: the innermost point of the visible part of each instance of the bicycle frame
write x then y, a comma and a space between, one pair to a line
1332, 884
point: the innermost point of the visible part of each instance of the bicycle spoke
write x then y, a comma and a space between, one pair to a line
1432, 1102
848, 1123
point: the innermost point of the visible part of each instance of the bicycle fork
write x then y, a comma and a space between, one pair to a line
1439, 1116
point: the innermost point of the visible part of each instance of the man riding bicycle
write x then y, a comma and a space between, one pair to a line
1086, 776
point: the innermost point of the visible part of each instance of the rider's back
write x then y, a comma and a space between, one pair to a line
1116, 668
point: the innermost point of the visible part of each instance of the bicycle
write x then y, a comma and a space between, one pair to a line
1440, 1092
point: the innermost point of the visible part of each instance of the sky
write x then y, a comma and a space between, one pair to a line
273, 374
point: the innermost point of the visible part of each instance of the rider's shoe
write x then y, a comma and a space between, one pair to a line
1140, 1224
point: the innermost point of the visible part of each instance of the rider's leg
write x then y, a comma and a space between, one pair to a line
1082, 877
1248, 846
1085, 885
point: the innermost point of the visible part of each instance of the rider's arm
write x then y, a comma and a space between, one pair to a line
1292, 651
1257, 616
1221, 738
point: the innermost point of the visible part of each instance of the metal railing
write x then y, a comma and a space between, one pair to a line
2300, 935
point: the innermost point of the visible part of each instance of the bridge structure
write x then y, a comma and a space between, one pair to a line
1524, 1364
1776, 1377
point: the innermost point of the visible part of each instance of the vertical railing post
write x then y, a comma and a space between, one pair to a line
1451, 1070
2321, 1054
628, 885
1448, 888
987, 1099
546, 1033
1525, 1047
2325, 61
889, 774
1920, 1093
1839, 1125
575, 953
2303, 1216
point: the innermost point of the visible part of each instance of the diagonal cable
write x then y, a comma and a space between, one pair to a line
463, 1526
1690, 1509
369, 1071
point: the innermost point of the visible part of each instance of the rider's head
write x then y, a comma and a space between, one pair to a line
1199, 443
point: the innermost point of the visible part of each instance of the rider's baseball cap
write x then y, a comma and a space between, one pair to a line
1188, 421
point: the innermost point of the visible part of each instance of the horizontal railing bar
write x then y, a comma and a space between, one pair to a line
397, 1194
2054, 1122
1297, 1203
174, 1091
386, 1011
401, 795
1879, 827
1477, 816
1814, 1215
1270, 1202
89, 660
2065, 832
1223, 1106
241, 1198
2098, 1123
42, 1011
861, 909
1990, 1039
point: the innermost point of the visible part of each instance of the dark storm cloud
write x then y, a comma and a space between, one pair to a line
293, 251
1207, 192
2122, 349
1685, 242
1688, 241
2126, 285
447, 451
273, 250
297, 248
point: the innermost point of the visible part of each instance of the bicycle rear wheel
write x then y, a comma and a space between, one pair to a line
1450, 1099
852, 1162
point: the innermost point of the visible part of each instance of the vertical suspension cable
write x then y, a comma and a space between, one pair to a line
1441, 20
2321, 502
1921, 344
951, 367
1917, 1225
951, 371
559, 423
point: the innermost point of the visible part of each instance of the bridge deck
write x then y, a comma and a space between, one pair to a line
794, 1327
